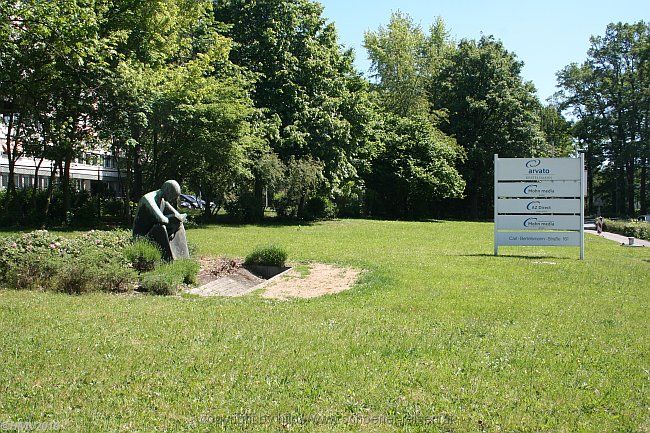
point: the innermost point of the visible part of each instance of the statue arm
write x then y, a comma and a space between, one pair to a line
180, 216
153, 206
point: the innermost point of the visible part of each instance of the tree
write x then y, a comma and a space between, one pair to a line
303, 79
405, 61
413, 169
413, 165
490, 110
53, 60
609, 92
557, 132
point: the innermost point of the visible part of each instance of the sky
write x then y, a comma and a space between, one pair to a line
546, 35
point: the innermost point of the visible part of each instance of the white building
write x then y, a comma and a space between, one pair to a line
85, 171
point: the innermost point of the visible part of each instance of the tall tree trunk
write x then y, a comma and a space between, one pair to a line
137, 171
258, 193
66, 187
644, 185
155, 180
35, 189
629, 167
127, 203
620, 189
11, 184
13, 153
50, 190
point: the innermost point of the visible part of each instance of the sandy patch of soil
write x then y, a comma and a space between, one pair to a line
320, 279
213, 268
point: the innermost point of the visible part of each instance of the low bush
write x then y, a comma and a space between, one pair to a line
636, 229
32, 271
74, 279
159, 283
272, 255
89, 262
167, 278
143, 255
115, 277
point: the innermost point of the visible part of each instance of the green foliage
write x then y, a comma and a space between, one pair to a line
608, 94
405, 62
557, 132
319, 207
75, 279
143, 255
31, 271
272, 255
635, 229
305, 83
160, 283
490, 109
168, 277
414, 167
91, 261
187, 269
301, 181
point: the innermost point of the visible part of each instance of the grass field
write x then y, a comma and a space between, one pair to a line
439, 336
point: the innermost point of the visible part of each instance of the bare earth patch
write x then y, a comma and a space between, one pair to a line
321, 280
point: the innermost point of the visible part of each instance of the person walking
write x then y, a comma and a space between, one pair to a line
599, 225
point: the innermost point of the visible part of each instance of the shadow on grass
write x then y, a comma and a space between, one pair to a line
224, 220
508, 256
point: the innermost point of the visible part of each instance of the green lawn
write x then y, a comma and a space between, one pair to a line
439, 336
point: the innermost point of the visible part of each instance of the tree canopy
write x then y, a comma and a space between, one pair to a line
256, 104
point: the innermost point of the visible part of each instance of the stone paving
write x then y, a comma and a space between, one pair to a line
619, 238
238, 283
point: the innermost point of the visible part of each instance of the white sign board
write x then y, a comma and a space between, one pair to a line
539, 202
539, 222
538, 205
539, 169
542, 239
539, 189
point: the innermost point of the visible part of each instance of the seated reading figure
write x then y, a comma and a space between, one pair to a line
158, 220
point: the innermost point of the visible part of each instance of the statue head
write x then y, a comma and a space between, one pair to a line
170, 191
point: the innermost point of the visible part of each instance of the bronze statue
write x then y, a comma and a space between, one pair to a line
159, 221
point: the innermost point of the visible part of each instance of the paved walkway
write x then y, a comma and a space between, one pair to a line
619, 238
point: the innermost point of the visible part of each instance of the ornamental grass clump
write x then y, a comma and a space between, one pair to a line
272, 255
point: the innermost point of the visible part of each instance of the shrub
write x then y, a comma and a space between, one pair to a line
186, 269
319, 207
159, 283
272, 255
143, 255
32, 271
636, 229
41, 260
167, 278
115, 277
75, 280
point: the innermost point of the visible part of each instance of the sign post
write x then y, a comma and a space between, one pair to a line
539, 202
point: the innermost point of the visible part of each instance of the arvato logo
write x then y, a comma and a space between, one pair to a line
533, 163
